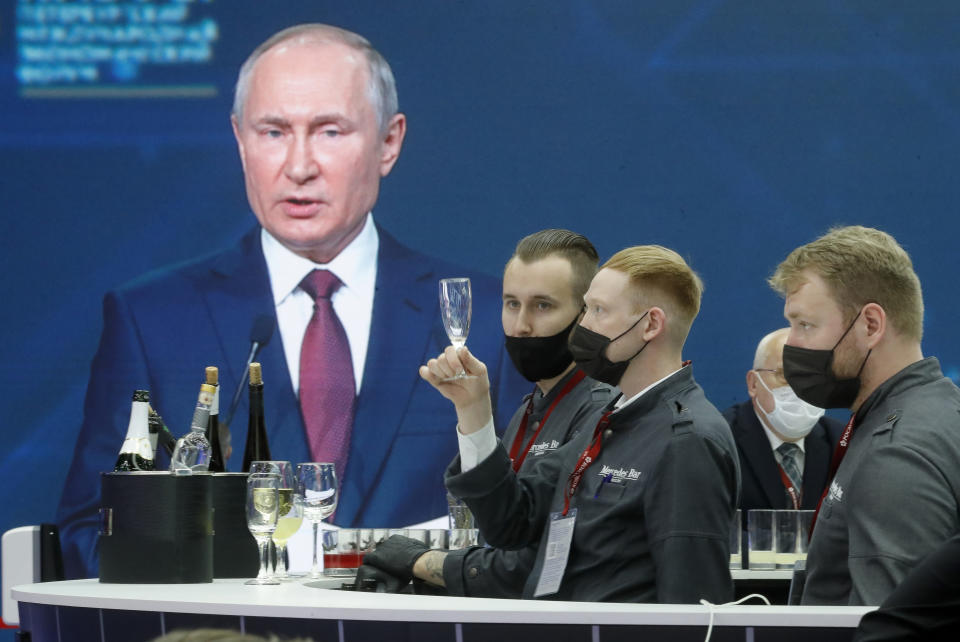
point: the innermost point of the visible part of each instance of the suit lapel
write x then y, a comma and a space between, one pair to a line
404, 316
237, 293
759, 457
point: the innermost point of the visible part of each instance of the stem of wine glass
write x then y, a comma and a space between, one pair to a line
264, 545
315, 571
280, 570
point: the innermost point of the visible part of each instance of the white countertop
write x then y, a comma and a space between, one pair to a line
296, 600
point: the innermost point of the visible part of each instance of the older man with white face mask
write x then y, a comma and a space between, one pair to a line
784, 443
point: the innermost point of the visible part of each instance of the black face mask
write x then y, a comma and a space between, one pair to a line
810, 374
540, 358
588, 348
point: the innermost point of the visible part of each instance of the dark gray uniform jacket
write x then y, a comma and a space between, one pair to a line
493, 572
896, 495
654, 509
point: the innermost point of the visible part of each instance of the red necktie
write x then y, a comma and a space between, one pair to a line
327, 389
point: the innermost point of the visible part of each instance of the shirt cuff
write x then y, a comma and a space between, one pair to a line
476, 446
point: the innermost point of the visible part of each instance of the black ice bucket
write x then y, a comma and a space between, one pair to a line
156, 528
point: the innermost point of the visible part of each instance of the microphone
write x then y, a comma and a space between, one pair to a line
260, 334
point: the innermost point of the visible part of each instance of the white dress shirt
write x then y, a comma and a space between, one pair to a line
355, 266
775, 443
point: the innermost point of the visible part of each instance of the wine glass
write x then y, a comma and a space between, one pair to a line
289, 512
455, 309
262, 504
317, 485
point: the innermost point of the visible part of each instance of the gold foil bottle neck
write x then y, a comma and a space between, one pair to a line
256, 374
213, 375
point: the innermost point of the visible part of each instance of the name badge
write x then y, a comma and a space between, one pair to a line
558, 550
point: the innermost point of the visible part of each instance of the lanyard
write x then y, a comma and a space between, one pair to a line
586, 458
577, 377
838, 454
791, 489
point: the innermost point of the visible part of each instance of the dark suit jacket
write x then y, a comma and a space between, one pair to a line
760, 483
162, 330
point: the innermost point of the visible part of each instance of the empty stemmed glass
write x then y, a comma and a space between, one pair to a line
262, 506
455, 309
317, 485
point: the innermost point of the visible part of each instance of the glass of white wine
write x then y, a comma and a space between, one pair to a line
317, 485
262, 506
456, 306
289, 512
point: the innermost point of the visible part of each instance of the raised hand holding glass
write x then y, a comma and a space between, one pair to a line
456, 305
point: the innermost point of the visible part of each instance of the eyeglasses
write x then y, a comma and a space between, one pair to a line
777, 374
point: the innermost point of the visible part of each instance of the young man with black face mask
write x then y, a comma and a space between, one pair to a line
855, 310
543, 287
639, 505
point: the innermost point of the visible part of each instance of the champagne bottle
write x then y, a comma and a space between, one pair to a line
192, 453
257, 448
164, 438
213, 423
136, 452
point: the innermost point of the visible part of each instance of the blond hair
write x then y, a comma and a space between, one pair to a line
860, 265
662, 278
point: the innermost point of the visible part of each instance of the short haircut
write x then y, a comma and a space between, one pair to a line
860, 265
381, 86
662, 278
575, 248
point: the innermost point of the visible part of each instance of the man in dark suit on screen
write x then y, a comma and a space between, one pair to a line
340, 313
782, 441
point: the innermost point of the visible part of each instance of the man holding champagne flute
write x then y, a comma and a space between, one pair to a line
638, 505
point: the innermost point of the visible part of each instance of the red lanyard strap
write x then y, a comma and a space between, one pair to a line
838, 454
791, 489
577, 377
586, 459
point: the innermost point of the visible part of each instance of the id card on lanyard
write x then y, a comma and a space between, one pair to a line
561, 524
558, 551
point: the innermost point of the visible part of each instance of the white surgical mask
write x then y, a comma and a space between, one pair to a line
791, 417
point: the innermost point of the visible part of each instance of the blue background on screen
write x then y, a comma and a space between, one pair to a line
730, 131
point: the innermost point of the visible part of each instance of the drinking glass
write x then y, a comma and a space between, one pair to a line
786, 539
804, 519
736, 558
341, 552
455, 309
262, 504
317, 485
289, 517
760, 537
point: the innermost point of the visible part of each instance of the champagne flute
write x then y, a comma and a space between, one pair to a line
289, 515
262, 504
317, 485
455, 309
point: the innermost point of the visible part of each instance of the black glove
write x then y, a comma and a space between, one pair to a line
395, 558
383, 582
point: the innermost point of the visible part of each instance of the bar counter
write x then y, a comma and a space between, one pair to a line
88, 610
